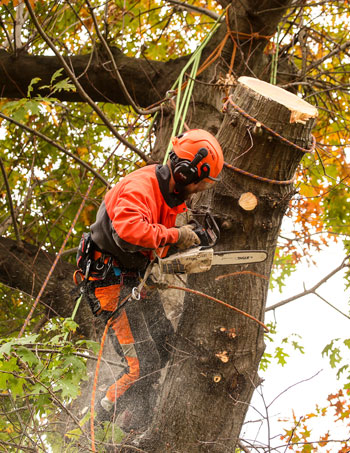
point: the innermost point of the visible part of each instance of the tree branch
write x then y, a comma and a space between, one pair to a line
56, 145
78, 86
197, 9
318, 62
14, 221
313, 289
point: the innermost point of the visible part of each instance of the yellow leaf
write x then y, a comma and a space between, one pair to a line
82, 150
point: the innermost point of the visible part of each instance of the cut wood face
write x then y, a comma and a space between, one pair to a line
300, 110
248, 201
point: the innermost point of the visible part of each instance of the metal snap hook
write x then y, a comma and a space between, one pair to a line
135, 293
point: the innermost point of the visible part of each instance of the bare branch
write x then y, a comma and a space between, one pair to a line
197, 9
18, 24
339, 49
14, 220
313, 289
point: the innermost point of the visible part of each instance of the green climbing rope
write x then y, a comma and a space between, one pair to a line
182, 101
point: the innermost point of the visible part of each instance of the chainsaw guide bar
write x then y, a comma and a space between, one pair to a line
200, 259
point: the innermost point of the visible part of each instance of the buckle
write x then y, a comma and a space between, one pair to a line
87, 271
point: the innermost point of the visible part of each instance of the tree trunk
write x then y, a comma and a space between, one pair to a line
214, 369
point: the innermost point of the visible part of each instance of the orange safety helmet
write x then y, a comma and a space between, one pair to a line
196, 155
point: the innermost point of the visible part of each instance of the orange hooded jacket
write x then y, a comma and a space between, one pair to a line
137, 216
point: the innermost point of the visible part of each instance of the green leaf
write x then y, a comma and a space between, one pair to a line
69, 325
280, 355
57, 74
265, 361
30, 87
93, 345
333, 353
298, 347
341, 370
8, 367
27, 356
6, 348
16, 386
63, 85
33, 106
347, 343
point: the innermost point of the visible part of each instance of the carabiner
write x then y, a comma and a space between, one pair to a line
87, 271
135, 293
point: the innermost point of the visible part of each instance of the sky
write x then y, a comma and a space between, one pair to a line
317, 324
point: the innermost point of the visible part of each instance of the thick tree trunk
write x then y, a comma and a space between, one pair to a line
213, 373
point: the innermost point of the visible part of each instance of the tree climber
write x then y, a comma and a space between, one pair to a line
135, 221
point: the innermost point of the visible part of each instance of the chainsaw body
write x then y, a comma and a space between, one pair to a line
191, 261
202, 258
209, 233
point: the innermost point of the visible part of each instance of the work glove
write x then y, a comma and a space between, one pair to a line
187, 237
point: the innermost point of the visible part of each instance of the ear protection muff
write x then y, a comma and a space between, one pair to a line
186, 172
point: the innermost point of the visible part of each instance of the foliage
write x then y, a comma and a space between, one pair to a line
320, 211
47, 186
337, 352
301, 438
279, 354
40, 375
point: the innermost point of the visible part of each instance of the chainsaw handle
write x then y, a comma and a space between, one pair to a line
208, 234
212, 228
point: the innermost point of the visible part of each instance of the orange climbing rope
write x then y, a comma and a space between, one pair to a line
272, 132
97, 371
233, 35
259, 178
234, 274
199, 293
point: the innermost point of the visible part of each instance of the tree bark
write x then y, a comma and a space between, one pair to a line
251, 23
214, 369
26, 268
147, 81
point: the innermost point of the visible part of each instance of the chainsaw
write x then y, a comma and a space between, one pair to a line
202, 258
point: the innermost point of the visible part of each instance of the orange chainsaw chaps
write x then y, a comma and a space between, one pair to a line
108, 296
117, 389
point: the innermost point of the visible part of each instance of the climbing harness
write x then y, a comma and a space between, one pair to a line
136, 291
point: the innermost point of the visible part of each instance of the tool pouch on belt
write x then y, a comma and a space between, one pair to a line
84, 254
100, 284
93, 273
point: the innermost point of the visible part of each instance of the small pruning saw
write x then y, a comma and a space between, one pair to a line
202, 258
